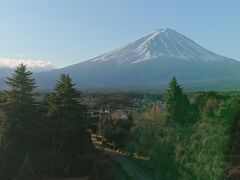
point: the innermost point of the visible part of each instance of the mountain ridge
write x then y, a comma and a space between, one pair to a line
152, 59
160, 43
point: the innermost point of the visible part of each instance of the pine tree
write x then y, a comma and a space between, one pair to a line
21, 86
20, 106
19, 132
67, 122
177, 103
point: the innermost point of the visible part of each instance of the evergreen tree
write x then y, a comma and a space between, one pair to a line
21, 86
67, 123
20, 106
177, 103
20, 125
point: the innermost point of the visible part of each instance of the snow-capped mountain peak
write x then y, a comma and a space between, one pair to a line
163, 42
150, 62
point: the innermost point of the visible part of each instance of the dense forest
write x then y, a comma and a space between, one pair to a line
41, 138
189, 136
185, 136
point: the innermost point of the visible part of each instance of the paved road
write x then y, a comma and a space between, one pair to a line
130, 168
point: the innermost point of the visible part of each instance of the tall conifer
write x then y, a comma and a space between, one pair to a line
177, 103
66, 123
19, 134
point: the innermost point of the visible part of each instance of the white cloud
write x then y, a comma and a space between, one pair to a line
34, 65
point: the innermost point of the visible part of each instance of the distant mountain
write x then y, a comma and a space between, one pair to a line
4, 72
7, 71
150, 62
160, 43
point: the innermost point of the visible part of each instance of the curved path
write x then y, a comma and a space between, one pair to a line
129, 167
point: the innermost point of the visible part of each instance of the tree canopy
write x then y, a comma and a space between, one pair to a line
20, 123
66, 125
177, 103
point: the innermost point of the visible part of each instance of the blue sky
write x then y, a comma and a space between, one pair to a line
70, 31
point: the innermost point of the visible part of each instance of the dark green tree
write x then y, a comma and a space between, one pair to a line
20, 125
22, 87
67, 123
177, 103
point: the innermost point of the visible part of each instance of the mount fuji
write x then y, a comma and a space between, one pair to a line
149, 63
160, 43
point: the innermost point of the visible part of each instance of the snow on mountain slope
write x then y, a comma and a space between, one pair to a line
160, 43
150, 62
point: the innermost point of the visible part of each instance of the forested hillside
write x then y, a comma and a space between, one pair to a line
171, 135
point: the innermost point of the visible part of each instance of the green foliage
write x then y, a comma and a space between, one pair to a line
26, 171
53, 134
3, 124
20, 126
21, 86
177, 103
204, 154
116, 130
145, 125
106, 127
67, 124
156, 137
180, 150
181, 140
